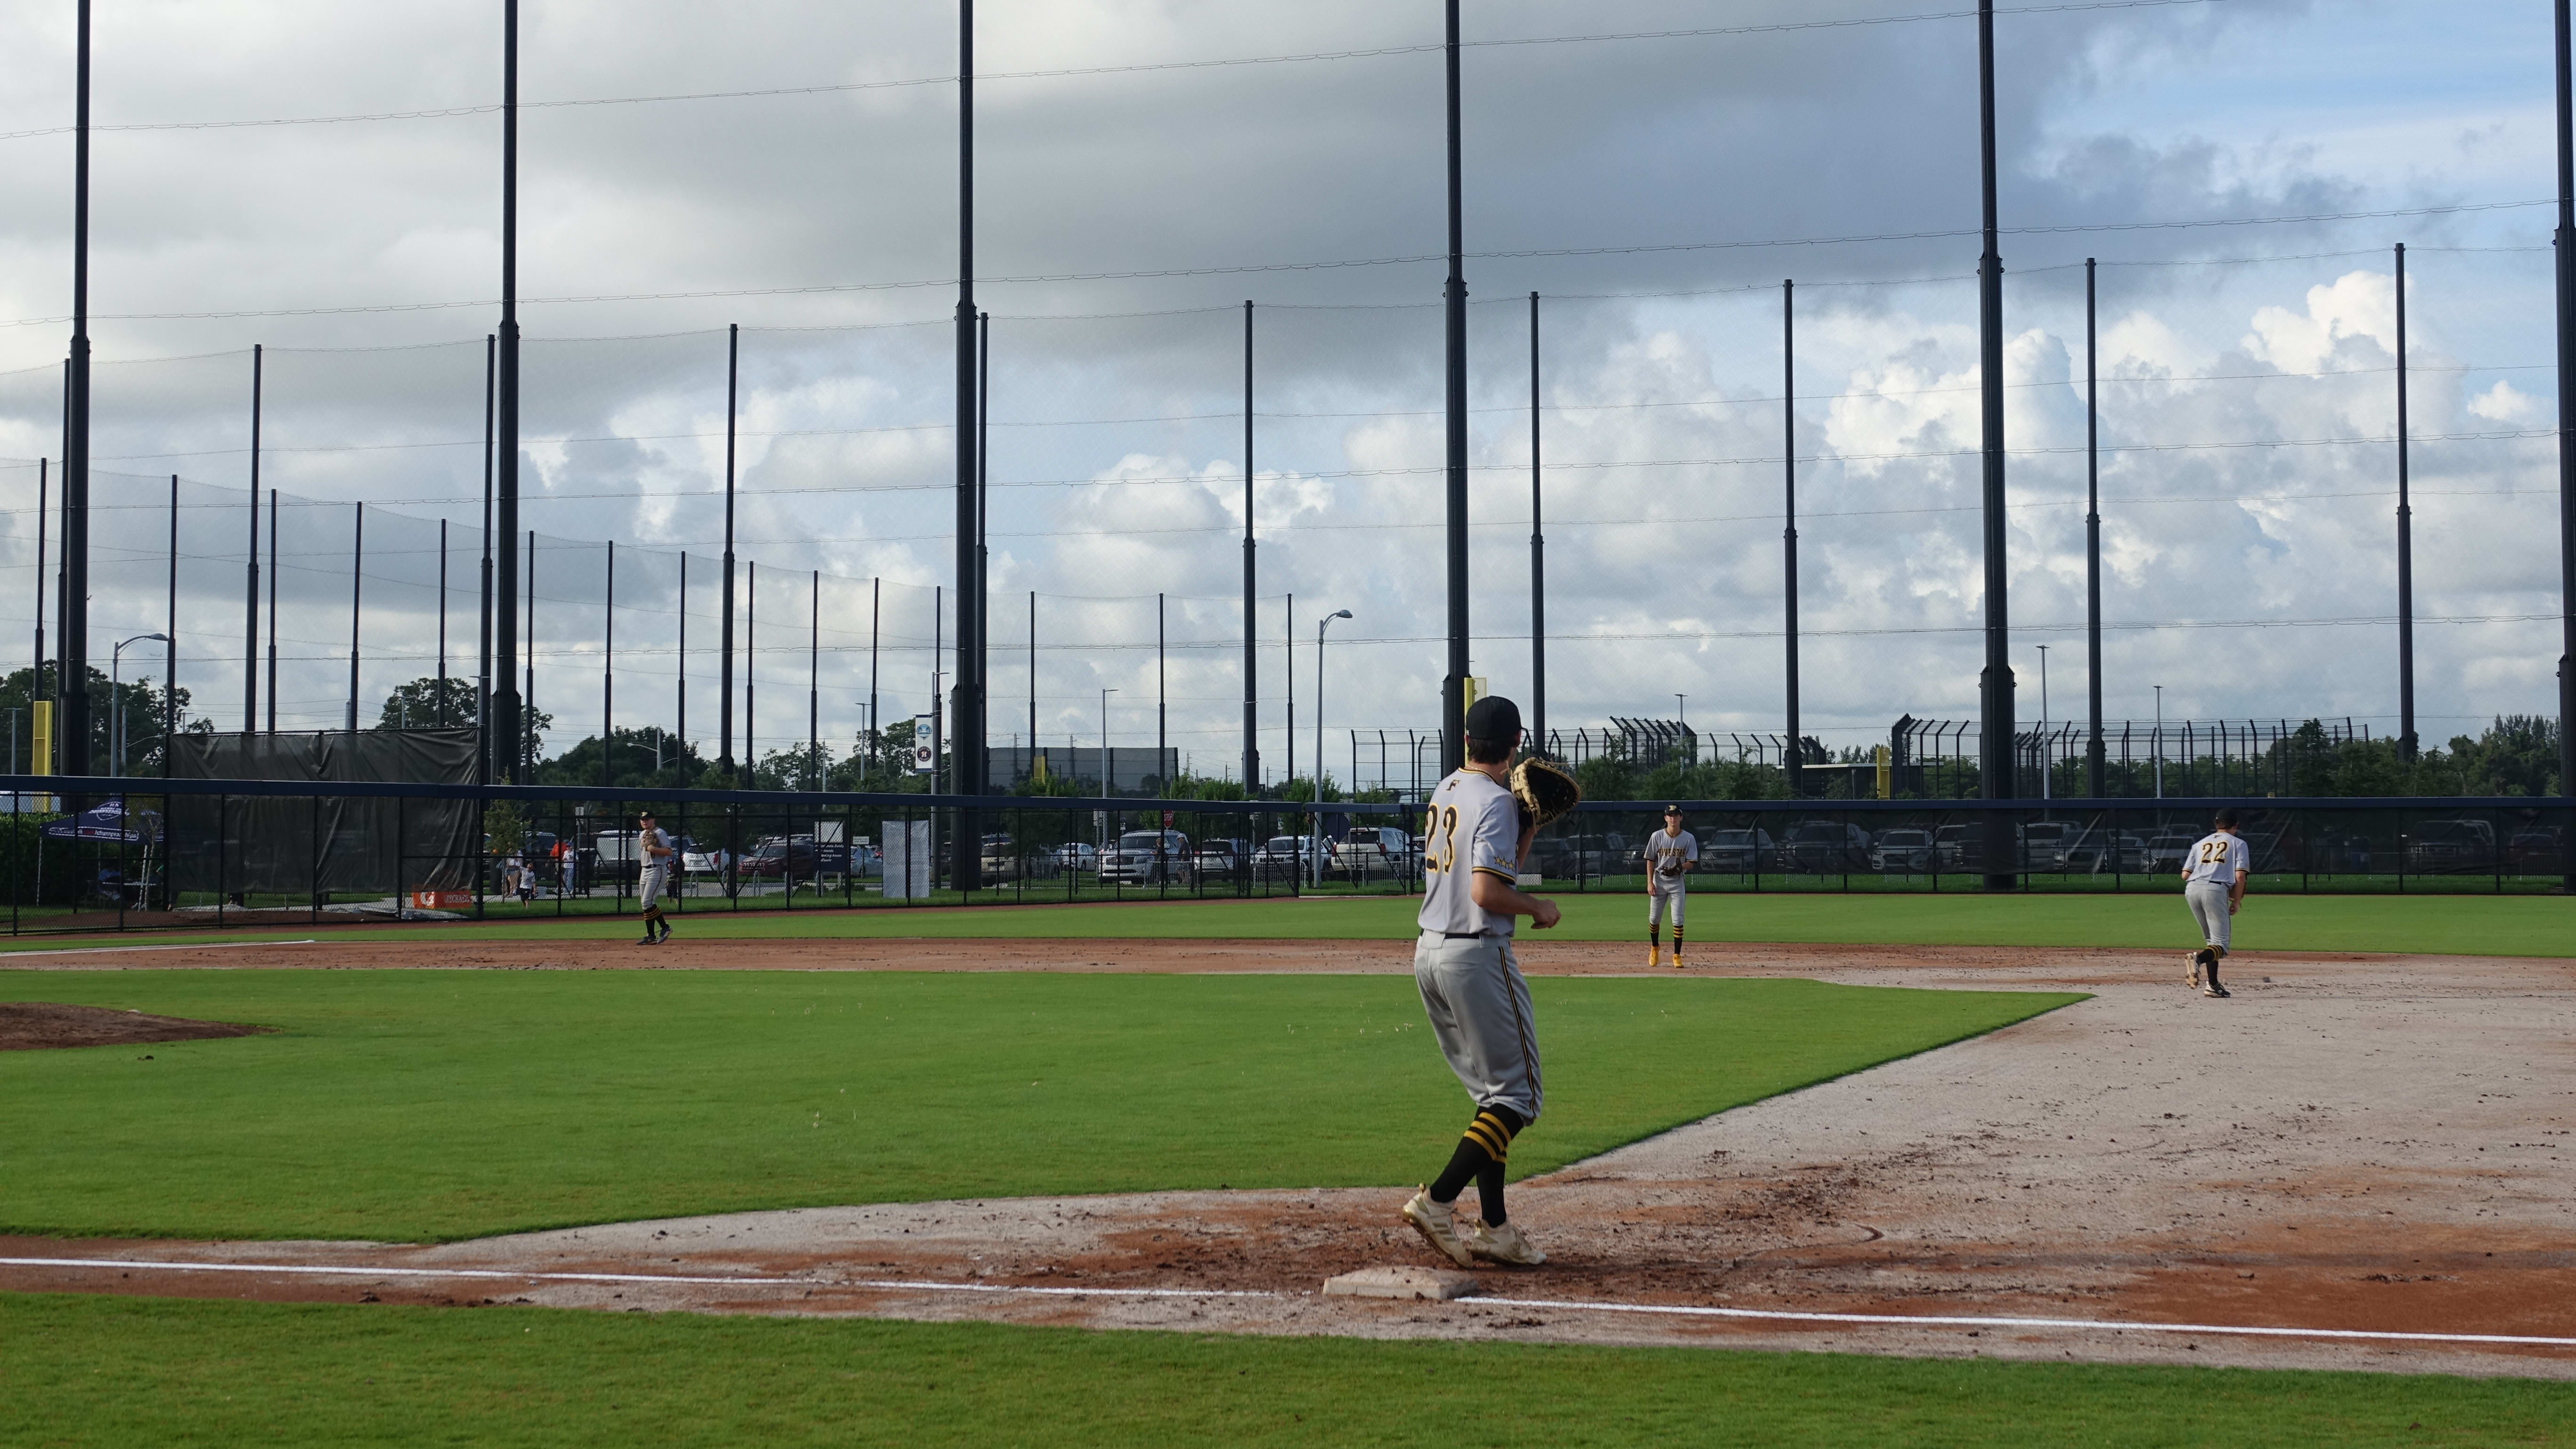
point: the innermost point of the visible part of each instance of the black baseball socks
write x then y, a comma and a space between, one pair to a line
1481, 1153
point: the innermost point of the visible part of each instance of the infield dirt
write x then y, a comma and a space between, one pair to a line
2350, 1142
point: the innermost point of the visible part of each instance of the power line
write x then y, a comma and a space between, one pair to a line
1140, 67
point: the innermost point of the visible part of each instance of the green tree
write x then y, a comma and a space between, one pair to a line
140, 700
650, 758
415, 705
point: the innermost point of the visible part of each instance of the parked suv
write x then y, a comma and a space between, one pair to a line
1743, 850
1373, 850
1222, 859
1902, 850
2440, 845
1827, 847
1148, 857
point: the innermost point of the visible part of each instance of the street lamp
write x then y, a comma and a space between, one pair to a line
2047, 756
116, 695
1315, 865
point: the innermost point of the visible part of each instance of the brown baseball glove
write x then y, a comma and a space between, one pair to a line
1544, 789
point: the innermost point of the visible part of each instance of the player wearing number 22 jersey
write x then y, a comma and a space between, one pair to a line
1472, 989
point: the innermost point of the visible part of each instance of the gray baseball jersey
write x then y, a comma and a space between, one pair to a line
2218, 857
1472, 824
1666, 854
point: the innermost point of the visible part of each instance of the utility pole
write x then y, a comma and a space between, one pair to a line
2094, 757
966, 713
724, 625
1995, 687
1453, 689
1795, 757
2405, 544
1538, 563
250, 629
72, 678
506, 702
1251, 666
2566, 248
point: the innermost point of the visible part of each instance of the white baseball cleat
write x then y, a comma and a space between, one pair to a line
1502, 1244
1438, 1226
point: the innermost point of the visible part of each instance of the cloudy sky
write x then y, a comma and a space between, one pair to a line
2239, 167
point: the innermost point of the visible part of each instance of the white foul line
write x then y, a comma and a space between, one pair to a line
1560, 1305
8, 956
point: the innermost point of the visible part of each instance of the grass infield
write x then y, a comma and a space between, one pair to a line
415, 1105
117, 1371
2415, 925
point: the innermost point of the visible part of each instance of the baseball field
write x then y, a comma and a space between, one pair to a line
1932, 1170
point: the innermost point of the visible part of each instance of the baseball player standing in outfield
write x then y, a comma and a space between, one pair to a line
1672, 853
2213, 885
1473, 843
656, 849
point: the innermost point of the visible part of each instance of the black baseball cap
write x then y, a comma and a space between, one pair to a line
1494, 719
1672, 810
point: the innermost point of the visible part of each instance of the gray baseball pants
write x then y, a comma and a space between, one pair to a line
1479, 1007
2208, 902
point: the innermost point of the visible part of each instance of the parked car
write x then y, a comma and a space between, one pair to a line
1000, 860
1222, 859
1903, 849
2537, 850
2444, 845
2166, 851
1077, 855
2096, 851
1148, 857
2043, 843
1827, 847
1373, 850
796, 857
1282, 857
1581, 855
1741, 850
866, 860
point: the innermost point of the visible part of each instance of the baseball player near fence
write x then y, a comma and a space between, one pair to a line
2213, 885
655, 848
1672, 853
1476, 834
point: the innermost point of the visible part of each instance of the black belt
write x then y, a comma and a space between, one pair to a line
1464, 935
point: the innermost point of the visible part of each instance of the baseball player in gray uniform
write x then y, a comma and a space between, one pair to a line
655, 847
1671, 854
1473, 843
2213, 885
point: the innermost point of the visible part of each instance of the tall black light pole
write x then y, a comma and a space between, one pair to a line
442, 623
1538, 563
506, 702
724, 616
680, 670
1795, 756
814, 684
2094, 755
1162, 705
272, 611
170, 642
1251, 671
1453, 688
73, 673
250, 630
1995, 686
1033, 679
608, 675
484, 736
2566, 241
966, 713
357, 581
2405, 543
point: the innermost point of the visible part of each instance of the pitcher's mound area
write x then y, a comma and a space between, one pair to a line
32, 1025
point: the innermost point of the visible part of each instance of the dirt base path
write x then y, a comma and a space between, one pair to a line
2377, 1144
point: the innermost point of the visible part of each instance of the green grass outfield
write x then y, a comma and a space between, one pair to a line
413, 1105
2425, 925
119, 1371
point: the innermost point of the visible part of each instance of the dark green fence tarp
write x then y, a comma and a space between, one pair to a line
280, 845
